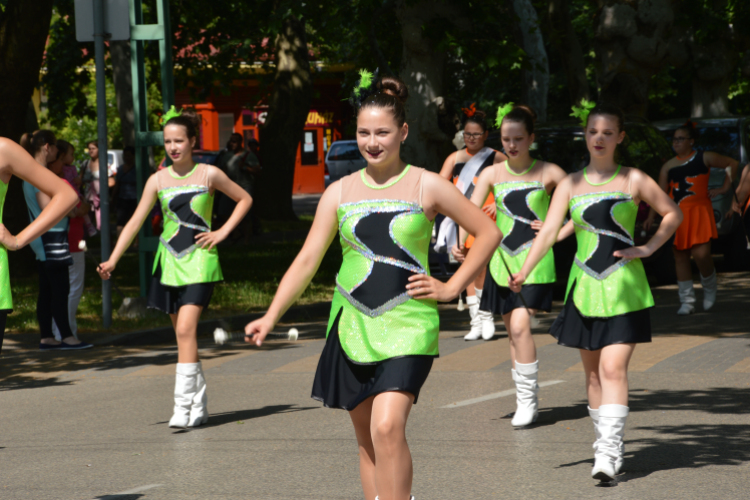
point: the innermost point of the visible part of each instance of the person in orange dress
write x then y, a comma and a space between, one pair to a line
685, 178
474, 159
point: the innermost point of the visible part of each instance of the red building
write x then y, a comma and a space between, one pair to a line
244, 110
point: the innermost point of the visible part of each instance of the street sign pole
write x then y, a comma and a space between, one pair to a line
101, 125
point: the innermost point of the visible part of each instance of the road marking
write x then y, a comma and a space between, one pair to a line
130, 492
501, 394
741, 367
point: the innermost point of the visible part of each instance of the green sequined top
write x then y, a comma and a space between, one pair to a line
187, 204
605, 285
519, 203
6, 300
384, 241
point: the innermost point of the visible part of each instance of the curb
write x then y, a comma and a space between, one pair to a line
317, 311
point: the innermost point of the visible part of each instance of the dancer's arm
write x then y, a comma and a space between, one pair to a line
644, 188
446, 172
743, 190
478, 197
715, 160
547, 236
304, 267
129, 232
441, 196
664, 185
14, 160
218, 180
725, 187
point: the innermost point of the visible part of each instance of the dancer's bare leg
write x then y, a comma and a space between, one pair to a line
185, 324
393, 466
518, 326
361, 417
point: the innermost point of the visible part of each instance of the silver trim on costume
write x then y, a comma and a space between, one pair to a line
505, 211
171, 192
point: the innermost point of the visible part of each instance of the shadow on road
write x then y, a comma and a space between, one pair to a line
239, 416
689, 445
134, 496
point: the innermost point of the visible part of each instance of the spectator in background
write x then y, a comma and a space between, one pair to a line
76, 244
90, 177
240, 165
64, 161
52, 255
125, 192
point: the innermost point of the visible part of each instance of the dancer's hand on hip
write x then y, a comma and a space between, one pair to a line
210, 239
638, 252
422, 286
7, 239
257, 330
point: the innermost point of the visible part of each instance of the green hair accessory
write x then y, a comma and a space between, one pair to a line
582, 112
501, 112
172, 113
365, 81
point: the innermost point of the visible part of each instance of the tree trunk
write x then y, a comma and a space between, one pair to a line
422, 70
565, 41
123, 81
536, 79
281, 134
632, 44
24, 26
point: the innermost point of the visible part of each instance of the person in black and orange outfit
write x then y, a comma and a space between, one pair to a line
685, 178
463, 168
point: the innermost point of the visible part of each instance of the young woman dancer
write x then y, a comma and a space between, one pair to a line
685, 178
58, 199
186, 265
471, 162
521, 186
383, 329
607, 304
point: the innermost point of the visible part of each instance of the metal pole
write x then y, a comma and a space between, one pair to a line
101, 122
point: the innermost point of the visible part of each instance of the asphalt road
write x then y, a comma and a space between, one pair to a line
93, 425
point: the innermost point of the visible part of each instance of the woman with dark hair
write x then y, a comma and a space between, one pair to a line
606, 311
463, 167
186, 265
48, 202
521, 187
685, 178
383, 330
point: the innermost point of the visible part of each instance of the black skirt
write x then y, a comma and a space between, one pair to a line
341, 383
502, 300
572, 329
169, 299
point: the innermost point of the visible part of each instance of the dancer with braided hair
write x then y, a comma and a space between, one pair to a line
383, 329
606, 311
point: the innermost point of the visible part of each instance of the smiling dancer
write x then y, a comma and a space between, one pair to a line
607, 303
383, 329
521, 187
186, 265
55, 200
685, 178
463, 167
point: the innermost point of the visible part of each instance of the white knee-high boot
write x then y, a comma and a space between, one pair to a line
608, 448
485, 319
594, 414
709, 291
476, 326
687, 297
184, 392
527, 406
199, 409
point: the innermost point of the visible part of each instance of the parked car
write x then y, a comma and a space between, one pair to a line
644, 147
114, 159
342, 159
729, 136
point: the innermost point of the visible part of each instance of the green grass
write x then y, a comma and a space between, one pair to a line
251, 275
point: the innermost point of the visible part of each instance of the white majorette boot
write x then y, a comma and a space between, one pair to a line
709, 291
594, 414
608, 448
476, 327
687, 297
199, 409
527, 406
184, 392
486, 319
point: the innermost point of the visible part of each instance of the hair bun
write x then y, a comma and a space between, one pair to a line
192, 115
394, 87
